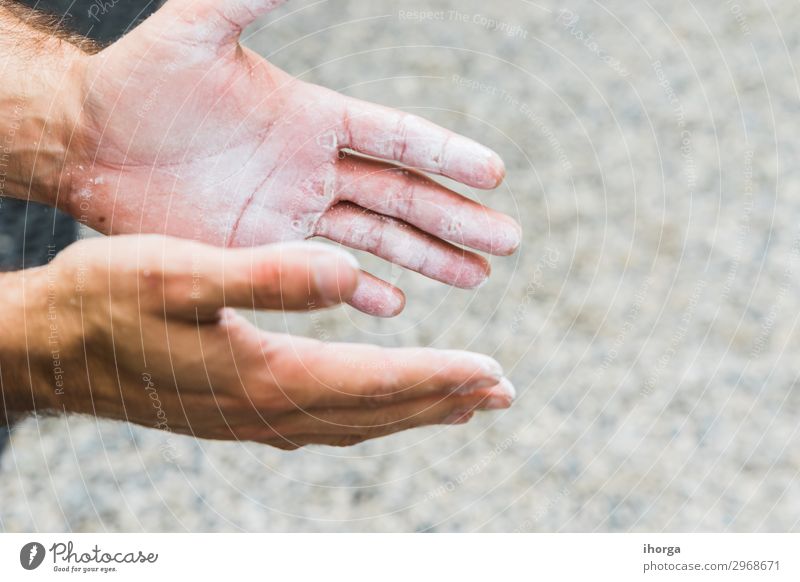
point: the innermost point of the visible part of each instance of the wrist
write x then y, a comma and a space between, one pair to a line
40, 111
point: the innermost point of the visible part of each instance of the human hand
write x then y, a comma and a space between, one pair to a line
184, 132
140, 328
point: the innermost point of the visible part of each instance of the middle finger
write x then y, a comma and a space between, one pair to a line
414, 198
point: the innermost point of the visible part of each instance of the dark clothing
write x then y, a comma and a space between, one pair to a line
30, 233
102, 20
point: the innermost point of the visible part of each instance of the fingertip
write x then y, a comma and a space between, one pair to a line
485, 371
397, 304
496, 402
472, 273
505, 389
496, 170
490, 168
378, 300
498, 396
507, 239
474, 164
391, 305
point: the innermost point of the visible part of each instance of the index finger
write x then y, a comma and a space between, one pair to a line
415, 142
314, 374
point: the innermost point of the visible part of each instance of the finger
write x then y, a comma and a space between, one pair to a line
394, 417
314, 374
397, 136
404, 245
293, 276
349, 440
218, 19
418, 200
376, 297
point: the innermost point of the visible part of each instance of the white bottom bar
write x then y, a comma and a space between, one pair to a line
373, 558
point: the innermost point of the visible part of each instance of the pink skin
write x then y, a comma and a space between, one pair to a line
157, 313
227, 149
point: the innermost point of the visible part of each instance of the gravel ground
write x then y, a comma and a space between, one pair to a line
648, 321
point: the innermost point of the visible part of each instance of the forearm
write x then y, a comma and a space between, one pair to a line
40, 88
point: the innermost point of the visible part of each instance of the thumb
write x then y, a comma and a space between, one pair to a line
218, 20
293, 276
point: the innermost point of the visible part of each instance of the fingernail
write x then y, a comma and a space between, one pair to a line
475, 385
492, 166
498, 168
489, 365
507, 388
496, 403
509, 238
492, 374
501, 397
474, 274
333, 273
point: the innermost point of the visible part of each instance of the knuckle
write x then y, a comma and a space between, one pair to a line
408, 193
400, 143
179, 274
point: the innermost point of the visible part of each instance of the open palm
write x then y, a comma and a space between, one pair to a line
184, 132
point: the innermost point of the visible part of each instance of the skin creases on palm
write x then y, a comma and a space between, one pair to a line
227, 149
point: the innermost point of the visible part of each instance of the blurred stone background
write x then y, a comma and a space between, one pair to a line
649, 321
